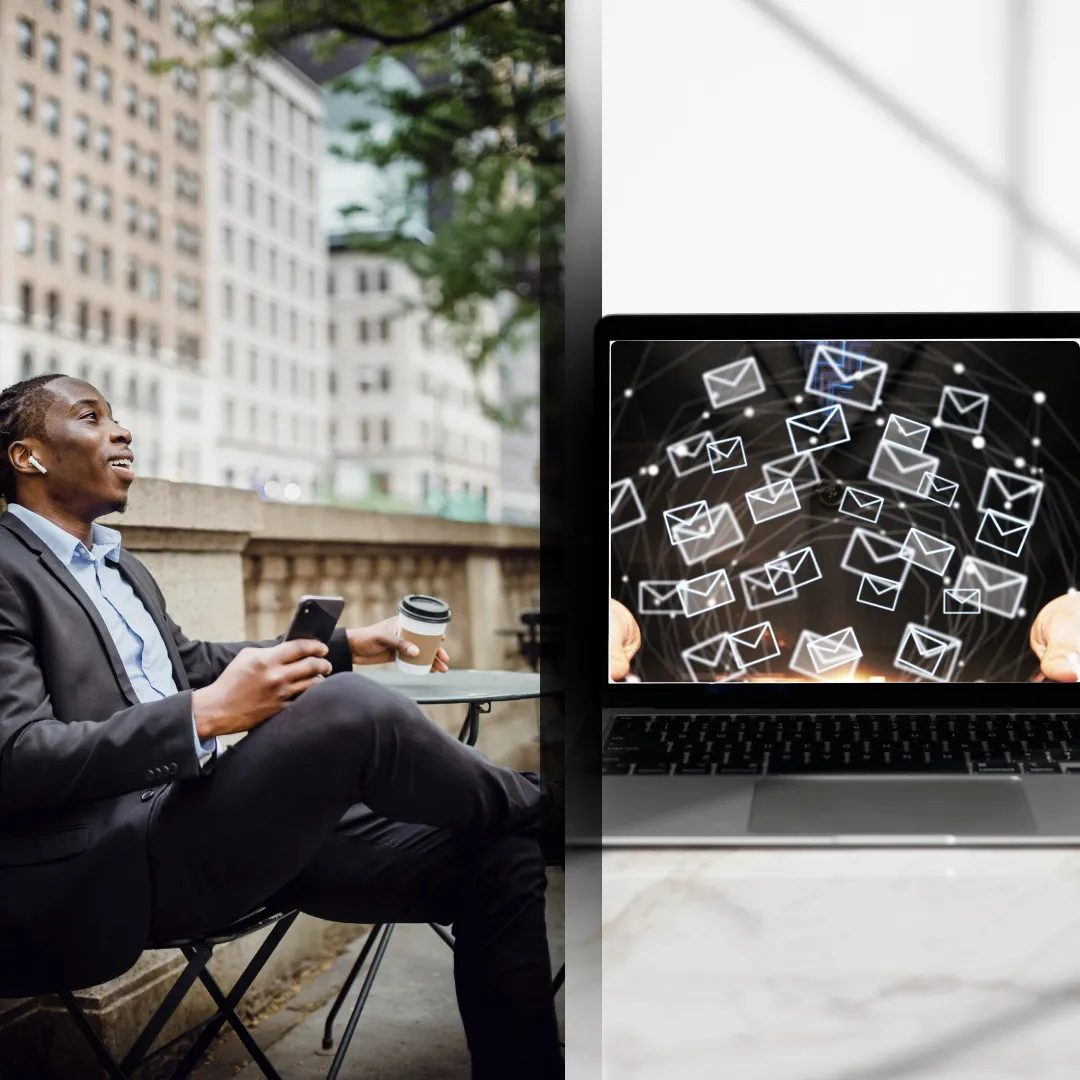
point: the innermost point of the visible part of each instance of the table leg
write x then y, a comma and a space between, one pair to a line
470, 730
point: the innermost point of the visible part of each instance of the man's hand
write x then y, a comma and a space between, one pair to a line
258, 684
381, 643
1055, 638
624, 639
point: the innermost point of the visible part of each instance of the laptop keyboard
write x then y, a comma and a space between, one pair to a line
707, 744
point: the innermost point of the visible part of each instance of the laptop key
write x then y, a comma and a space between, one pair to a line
693, 769
615, 768
995, 766
654, 768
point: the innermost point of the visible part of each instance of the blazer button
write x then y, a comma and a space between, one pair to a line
172, 768
146, 795
149, 774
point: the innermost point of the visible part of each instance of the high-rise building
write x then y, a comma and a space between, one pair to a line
266, 281
102, 217
406, 420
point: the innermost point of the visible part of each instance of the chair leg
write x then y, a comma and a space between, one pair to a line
101, 1051
361, 1001
197, 960
328, 1028
443, 933
227, 1008
557, 982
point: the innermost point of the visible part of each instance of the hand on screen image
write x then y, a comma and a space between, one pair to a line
624, 639
1055, 639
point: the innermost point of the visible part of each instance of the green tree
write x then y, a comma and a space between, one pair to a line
480, 141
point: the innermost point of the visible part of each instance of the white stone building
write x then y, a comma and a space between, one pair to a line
266, 266
405, 417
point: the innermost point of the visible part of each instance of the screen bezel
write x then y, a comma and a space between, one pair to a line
809, 696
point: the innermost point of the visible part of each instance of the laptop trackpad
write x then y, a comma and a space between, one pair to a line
849, 806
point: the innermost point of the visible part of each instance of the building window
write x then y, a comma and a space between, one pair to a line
251, 199
80, 248
81, 64
150, 113
131, 215
81, 10
104, 143
52, 311
364, 431
150, 7
152, 284
253, 426
230, 420
104, 85
292, 223
106, 332
273, 264
26, 301
330, 283
82, 193
105, 203
52, 243
384, 329
230, 360
331, 333
227, 301
131, 99
104, 24
294, 379
226, 186
292, 274
187, 346
292, 326
384, 378
106, 263
131, 157
311, 283
50, 52
151, 223
50, 179
251, 250
82, 318
50, 115
227, 242
151, 165
226, 128
252, 311
24, 35
133, 344
271, 157
274, 366
384, 280
24, 97
386, 431
153, 402
332, 382
362, 330
24, 168
272, 211
273, 317
253, 367
24, 235
311, 232
27, 371
131, 42
187, 292
250, 144
132, 275
361, 281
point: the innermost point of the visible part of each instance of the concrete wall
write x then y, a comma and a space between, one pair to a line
232, 568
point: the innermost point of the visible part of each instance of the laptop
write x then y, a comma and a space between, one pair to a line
843, 556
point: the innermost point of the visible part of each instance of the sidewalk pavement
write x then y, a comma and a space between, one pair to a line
409, 1030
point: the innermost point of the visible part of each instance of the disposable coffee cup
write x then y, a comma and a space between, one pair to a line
423, 621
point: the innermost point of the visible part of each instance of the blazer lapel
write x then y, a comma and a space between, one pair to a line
135, 575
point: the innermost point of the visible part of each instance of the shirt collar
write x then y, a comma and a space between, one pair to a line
105, 541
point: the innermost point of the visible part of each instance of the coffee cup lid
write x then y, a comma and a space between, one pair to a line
425, 608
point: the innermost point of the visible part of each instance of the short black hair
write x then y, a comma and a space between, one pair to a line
22, 416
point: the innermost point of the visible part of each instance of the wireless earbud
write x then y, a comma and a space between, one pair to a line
37, 464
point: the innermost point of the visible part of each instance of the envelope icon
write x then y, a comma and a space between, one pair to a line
879, 556
962, 410
699, 542
689, 522
626, 508
1002, 532
1000, 590
898, 467
961, 601
907, 433
705, 593
804, 665
800, 469
659, 598
734, 382
727, 454
928, 552
772, 501
834, 650
938, 489
754, 645
927, 653
861, 504
813, 431
1011, 493
711, 660
840, 375
758, 591
793, 571
689, 455
879, 592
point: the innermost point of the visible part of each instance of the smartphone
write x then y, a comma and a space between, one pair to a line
316, 617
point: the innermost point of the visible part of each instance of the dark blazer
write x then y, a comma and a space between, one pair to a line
82, 762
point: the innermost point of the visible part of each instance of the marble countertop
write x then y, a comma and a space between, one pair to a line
836, 965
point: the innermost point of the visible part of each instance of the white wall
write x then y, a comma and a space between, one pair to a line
831, 155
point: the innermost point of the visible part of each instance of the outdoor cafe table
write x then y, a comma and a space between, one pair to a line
474, 688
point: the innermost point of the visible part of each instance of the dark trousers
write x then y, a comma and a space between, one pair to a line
353, 806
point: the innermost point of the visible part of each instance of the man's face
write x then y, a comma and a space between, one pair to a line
86, 452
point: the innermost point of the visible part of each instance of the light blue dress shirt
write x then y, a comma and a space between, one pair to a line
137, 638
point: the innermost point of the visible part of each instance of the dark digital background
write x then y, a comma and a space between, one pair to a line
667, 402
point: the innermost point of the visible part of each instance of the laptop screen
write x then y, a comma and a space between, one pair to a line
853, 511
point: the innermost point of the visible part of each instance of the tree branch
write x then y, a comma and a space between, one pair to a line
359, 30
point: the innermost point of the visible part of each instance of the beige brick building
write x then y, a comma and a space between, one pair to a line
102, 214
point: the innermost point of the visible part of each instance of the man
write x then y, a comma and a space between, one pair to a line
122, 823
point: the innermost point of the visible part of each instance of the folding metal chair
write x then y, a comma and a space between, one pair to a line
198, 951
